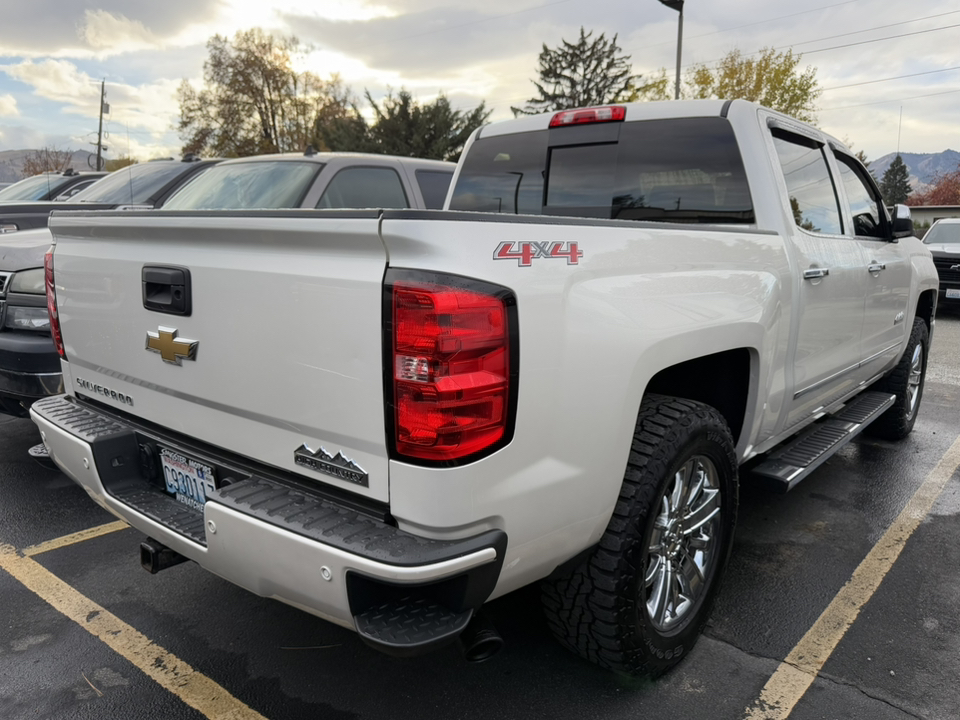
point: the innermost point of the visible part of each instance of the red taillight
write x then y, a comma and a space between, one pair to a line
52, 303
610, 113
451, 369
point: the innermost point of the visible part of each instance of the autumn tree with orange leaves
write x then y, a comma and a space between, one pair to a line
945, 190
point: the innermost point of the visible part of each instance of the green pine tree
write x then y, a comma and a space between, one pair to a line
587, 72
895, 185
404, 126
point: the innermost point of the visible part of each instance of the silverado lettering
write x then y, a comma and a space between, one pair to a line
105, 392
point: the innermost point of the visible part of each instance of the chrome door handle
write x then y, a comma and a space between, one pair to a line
876, 267
815, 273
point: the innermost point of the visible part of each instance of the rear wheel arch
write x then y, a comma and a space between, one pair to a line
723, 380
926, 307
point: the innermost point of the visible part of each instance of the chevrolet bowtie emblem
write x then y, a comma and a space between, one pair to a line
171, 348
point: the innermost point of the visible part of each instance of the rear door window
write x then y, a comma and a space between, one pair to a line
679, 170
813, 199
364, 187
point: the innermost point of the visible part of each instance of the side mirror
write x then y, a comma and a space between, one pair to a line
902, 222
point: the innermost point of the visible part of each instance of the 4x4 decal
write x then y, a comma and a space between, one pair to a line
526, 252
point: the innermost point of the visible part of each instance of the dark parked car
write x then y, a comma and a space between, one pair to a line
146, 185
943, 239
56, 186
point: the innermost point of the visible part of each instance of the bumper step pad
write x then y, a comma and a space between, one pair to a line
782, 469
160, 507
410, 626
323, 520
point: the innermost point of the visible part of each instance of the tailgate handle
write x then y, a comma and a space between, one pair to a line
166, 289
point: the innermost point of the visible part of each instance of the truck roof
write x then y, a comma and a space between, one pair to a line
660, 110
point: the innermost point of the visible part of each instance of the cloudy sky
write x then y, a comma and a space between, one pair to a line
873, 57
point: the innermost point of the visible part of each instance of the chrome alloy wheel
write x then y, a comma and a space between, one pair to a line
683, 544
914, 379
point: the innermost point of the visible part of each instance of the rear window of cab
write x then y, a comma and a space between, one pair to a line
677, 170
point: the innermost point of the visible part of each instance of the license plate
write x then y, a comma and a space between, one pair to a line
953, 293
186, 479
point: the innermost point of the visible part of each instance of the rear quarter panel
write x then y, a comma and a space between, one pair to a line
592, 334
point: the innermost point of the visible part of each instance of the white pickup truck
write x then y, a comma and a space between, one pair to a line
387, 418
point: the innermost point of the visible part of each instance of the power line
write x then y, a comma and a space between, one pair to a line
847, 34
896, 77
885, 102
878, 27
759, 22
875, 40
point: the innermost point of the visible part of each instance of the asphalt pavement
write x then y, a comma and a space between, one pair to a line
86, 633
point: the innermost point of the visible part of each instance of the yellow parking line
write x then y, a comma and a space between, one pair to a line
74, 538
195, 689
801, 667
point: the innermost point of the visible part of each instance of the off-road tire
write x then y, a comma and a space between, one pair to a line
598, 610
897, 422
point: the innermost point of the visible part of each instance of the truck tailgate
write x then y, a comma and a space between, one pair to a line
286, 314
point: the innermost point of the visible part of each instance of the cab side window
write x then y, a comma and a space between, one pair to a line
866, 208
813, 198
364, 187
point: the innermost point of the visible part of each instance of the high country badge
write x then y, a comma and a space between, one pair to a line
336, 466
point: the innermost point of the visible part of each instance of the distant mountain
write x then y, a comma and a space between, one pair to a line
11, 163
923, 167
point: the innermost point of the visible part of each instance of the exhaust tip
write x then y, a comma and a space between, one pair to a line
480, 641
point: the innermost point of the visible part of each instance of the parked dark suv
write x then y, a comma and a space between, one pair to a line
144, 185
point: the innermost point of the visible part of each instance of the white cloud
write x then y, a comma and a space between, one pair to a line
8, 106
53, 79
254, 11
100, 28
109, 33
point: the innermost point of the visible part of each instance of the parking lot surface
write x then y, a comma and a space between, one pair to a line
88, 634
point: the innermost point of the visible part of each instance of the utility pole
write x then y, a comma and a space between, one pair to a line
103, 107
678, 6
899, 128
